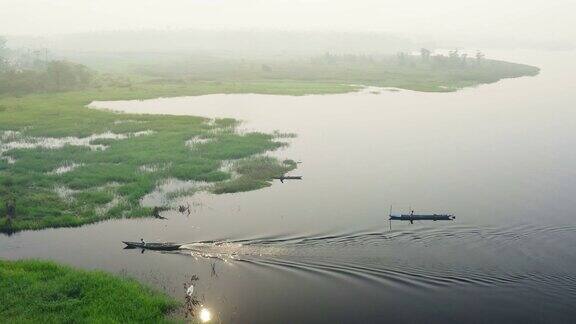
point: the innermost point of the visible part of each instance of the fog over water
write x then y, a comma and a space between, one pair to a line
322, 250
475, 22
499, 156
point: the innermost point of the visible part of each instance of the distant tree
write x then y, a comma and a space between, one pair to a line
21, 82
62, 75
30, 72
401, 56
464, 58
3, 54
454, 57
39, 58
329, 58
479, 57
425, 54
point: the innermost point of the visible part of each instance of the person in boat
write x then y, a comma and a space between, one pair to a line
142, 241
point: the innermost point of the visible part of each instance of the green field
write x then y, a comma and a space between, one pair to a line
44, 292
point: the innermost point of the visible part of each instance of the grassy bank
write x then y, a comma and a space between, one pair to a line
44, 292
436, 73
112, 160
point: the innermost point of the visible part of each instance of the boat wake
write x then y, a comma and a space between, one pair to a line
446, 256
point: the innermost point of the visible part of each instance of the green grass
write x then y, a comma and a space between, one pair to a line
109, 183
44, 292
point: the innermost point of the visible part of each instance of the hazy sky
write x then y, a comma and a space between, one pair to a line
529, 19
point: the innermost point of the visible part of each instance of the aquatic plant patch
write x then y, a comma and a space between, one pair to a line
64, 164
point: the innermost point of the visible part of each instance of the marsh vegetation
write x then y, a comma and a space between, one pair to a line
111, 154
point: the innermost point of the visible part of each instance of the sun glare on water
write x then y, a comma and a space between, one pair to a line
205, 315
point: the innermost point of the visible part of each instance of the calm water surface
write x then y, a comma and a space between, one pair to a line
500, 157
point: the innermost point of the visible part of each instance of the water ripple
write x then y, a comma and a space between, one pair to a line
364, 256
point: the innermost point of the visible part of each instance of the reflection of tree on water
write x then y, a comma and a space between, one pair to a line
193, 307
191, 302
213, 272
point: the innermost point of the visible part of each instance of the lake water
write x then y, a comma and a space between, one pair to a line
500, 157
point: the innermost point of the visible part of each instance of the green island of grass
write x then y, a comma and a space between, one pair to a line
43, 292
114, 159
328, 73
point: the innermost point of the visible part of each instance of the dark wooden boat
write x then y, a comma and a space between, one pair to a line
282, 178
413, 217
153, 246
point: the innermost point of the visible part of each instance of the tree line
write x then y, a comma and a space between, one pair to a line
21, 74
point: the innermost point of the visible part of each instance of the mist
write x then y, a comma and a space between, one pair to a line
516, 23
275, 161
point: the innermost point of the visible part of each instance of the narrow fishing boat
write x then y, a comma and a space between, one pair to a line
412, 217
282, 178
153, 246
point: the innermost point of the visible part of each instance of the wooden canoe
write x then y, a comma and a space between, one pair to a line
153, 246
413, 217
